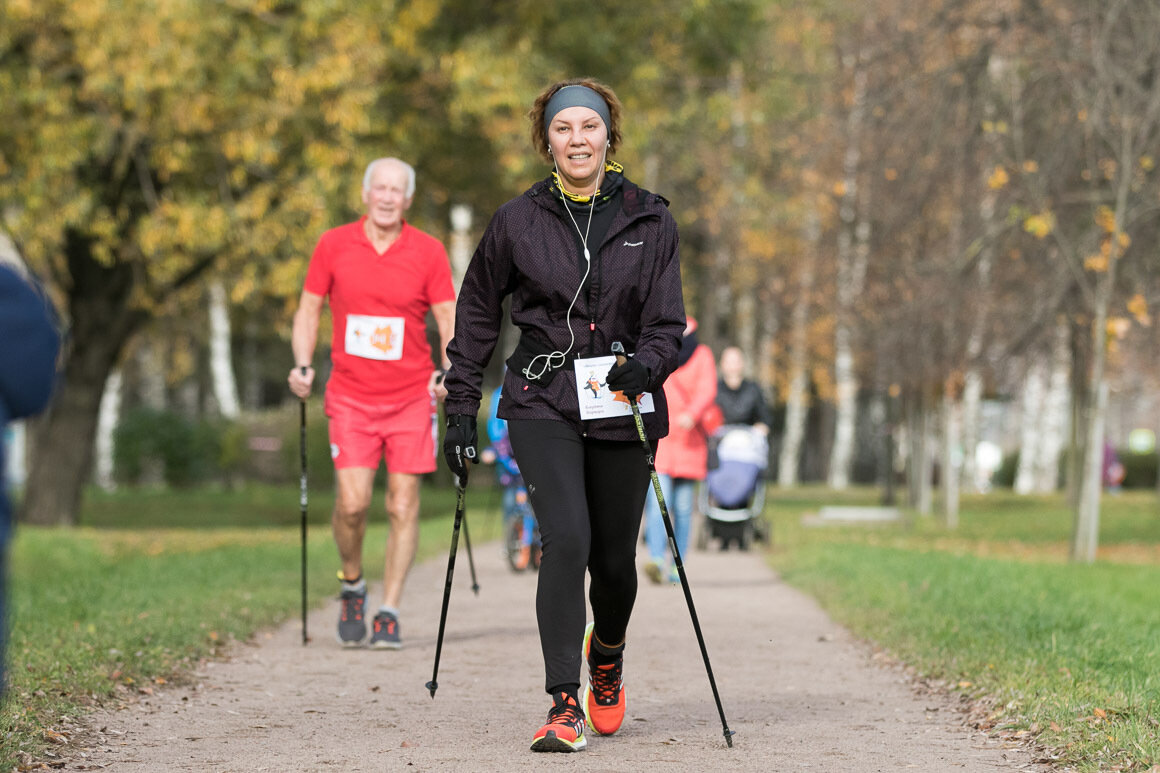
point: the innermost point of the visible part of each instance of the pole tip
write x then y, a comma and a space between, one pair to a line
475, 589
432, 686
729, 737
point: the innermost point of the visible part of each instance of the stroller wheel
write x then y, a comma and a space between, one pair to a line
518, 555
745, 538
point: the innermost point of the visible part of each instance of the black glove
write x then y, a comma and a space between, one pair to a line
631, 378
459, 444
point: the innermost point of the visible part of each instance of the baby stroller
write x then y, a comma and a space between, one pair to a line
733, 494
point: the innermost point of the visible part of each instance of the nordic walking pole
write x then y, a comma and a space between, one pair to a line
618, 350
460, 490
470, 560
302, 502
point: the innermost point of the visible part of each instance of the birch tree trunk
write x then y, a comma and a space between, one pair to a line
797, 399
460, 252
108, 416
221, 365
745, 327
990, 225
921, 466
952, 456
1056, 417
1033, 394
851, 269
1085, 541
769, 331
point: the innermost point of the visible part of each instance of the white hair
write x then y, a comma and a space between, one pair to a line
410, 170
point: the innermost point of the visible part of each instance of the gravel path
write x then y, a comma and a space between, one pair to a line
800, 692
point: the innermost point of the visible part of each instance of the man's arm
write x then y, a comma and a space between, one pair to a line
445, 320
444, 313
303, 337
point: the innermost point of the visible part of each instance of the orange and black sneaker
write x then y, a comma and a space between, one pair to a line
352, 627
565, 729
604, 698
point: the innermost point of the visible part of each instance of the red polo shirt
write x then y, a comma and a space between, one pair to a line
379, 305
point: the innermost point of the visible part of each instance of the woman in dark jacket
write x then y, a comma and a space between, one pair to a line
588, 258
740, 399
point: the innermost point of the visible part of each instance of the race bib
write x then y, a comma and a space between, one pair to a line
597, 401
375, 338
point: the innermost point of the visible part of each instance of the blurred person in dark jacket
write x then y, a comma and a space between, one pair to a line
740, 398
588, 258
29, 344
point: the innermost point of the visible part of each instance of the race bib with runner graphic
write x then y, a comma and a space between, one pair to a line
375, 338
597, 401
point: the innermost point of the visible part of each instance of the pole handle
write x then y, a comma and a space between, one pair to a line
618, 350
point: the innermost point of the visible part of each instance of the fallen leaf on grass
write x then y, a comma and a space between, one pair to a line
1056, 728
1098, 712
55, 737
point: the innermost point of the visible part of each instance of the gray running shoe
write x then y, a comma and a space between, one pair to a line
386, 632
352, 626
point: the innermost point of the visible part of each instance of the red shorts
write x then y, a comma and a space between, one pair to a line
401, 433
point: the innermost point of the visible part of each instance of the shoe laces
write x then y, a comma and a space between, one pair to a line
606, 682
352, 607
385, 621
565, 712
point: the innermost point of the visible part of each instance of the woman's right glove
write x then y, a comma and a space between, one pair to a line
459, 444
630, 377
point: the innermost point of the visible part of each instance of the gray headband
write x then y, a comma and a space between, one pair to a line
577, 96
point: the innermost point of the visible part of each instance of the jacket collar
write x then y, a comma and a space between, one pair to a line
637, 201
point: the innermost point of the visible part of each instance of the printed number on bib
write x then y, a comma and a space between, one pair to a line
375, 338
597, 401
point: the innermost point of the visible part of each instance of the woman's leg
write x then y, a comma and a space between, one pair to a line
616, 482
655, 535
551, 458
682, 510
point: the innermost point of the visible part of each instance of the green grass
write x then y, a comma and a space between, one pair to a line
1069, 654
154, 581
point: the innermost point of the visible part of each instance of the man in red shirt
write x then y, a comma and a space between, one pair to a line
381, 277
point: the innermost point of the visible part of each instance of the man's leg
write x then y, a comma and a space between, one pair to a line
348, 522
403, 539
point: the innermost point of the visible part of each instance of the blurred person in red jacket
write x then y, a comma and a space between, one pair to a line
682, 457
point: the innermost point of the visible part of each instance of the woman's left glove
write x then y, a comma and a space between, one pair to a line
459, 444
630, 377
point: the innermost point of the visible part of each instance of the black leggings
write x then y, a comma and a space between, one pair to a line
588, 496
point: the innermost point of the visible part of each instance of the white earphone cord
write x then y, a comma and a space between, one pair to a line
556, 359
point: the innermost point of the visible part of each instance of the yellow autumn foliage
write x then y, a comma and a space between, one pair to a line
1105, 218
998, 178
1138, 308
1039, 225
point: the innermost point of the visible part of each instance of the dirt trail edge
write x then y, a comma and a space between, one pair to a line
799, 690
